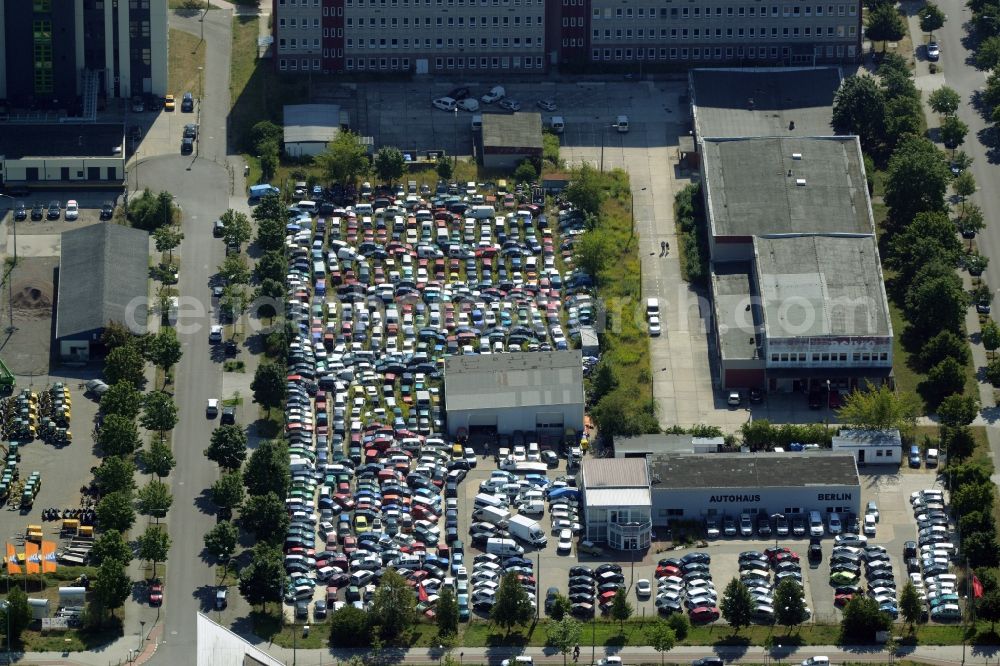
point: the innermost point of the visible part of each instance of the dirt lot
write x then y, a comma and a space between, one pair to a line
26, 349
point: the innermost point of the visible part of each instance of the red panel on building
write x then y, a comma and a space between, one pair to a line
333, 36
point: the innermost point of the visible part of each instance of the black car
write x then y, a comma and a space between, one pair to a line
604, 568
910, 549
459, 93
815, 552
191, 131
20, 211
581, 571
54, 211
187, 103
187, 145
756, 396
107, 210
708, 661
700, 558
228, 415
37, 211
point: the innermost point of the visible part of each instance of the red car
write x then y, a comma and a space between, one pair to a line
704, 614
350, 544
773, 552
666, 570
841, 600
788, 556
155, 593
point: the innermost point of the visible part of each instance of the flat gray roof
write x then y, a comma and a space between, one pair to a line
879, 438
517, 379
652, 444
735, 324
311, 122
614, 473
515, 130
103, 273
753, 470
721, 101
821, 285
758, 186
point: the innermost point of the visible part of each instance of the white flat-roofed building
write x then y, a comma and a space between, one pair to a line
616, 502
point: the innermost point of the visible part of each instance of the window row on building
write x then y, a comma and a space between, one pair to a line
725, 33
785, 11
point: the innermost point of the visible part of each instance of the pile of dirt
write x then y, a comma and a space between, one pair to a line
33, 297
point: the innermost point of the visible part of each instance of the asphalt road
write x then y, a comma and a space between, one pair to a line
201, 186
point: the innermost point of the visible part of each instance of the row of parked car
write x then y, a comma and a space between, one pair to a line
686, 583
928, 560
378, 292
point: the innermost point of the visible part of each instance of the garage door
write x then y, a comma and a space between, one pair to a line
482, 420
549, 421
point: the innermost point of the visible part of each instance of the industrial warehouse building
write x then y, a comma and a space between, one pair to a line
103, 273
501, 393
693, 487
617, 502
59, 156
310, 127
508, 140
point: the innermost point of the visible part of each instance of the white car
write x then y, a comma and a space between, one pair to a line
546, 104
869, 528
495, 94
511, 105
565, 541
215, 334
610, 661
654, 325
72, 209
816, 661
445, 103
643, 588
212, 408
468, 104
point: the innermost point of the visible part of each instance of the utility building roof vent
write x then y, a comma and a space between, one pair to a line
796, 156
801, 182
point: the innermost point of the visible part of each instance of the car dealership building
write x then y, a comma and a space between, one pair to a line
697, 486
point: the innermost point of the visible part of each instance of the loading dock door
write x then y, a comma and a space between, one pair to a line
482, 420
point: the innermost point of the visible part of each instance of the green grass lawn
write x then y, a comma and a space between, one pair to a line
187, 54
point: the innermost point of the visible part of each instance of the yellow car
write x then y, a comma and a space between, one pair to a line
168, 103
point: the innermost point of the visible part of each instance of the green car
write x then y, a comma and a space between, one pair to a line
838, 578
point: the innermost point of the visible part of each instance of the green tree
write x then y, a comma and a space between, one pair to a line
159, 413
560, 606
114, 474
118, 436
271, 265
929, 237
512, 605
158, 459
931, 18
661, 637
945, 344
221, 540
624, 413
936, 302
447, 612
349, 628
110, 545
345, 158
393, 607
117, 334
153, 545
234, 270
586, 190
680, 624
910, 606
944, 379
988, 53
112, 585
988, 608
965, 186
971, 472
270, 159
167, 238
270, 232
990, 336
861, 620
953, 131
263, 579
268, 385
736, 606
267, 469
525, 172
264, 132
880, 408
944, 100
164, 349
789, 603
564, 635
621, 609
444, 168
976, 263
265, 516
592, 252
903, 117
16, 615
971, 497
228, 491
976, 521
228, 447
980, 548
125, 364
885, 24
972, 220
916, 180
154, 499
270, 294
958, 410
390, 165
859, 108
123, 399
115, 511
236, 228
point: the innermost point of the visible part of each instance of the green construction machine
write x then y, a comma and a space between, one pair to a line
6, 379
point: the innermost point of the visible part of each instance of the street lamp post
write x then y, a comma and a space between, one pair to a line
142, 633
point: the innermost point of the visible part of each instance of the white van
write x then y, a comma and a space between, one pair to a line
482, 212
484, 500
503, 548
361, 578
815, 524
557, 124
310, 207
622, 124
652, 307
477, 122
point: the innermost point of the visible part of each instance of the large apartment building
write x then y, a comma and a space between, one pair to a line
55, 53
530, 36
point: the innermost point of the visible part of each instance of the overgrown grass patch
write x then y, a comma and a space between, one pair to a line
187, 54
